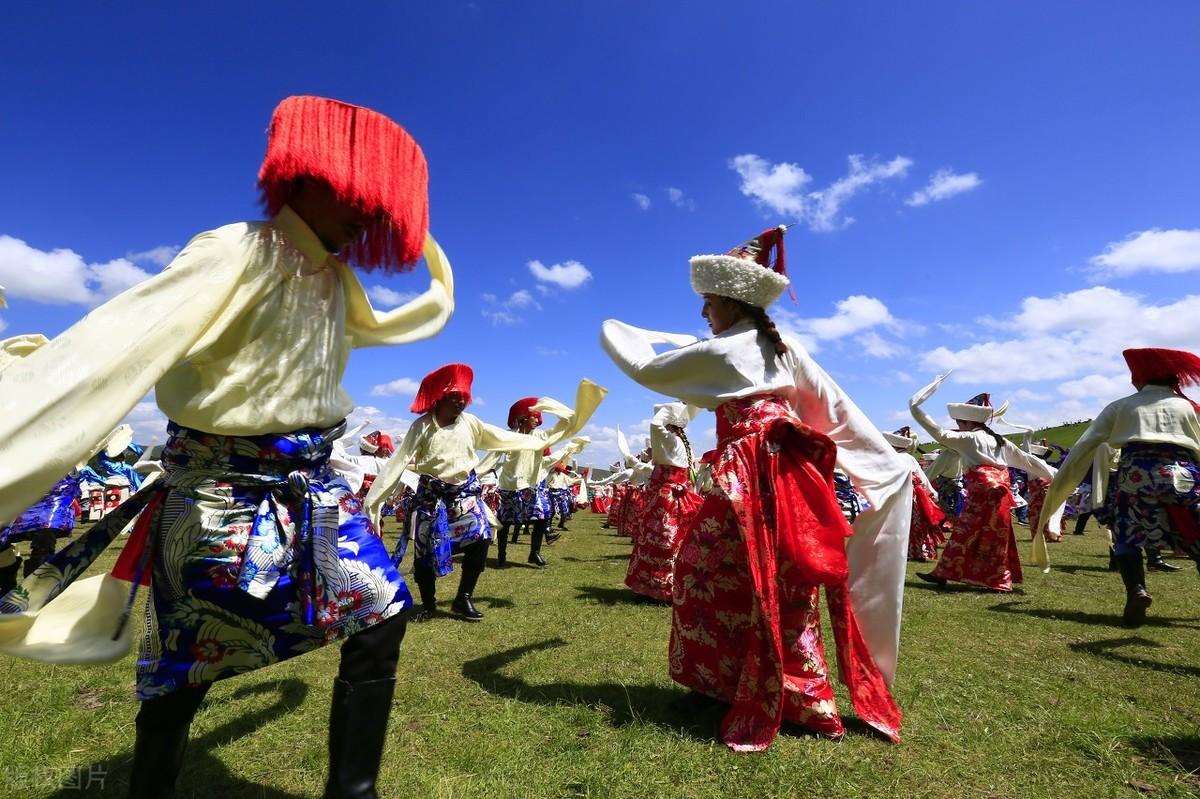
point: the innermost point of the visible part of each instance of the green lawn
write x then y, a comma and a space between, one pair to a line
563, 691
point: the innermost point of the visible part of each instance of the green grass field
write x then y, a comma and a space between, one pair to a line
562, 691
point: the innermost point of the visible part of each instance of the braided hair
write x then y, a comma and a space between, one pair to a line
764, 323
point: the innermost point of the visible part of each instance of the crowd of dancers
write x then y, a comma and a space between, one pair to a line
258, 526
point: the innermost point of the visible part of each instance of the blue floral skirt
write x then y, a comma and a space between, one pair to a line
526, 505
562, 502
1152, 499
443, 518
55, 511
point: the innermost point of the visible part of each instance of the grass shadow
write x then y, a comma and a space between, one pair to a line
1179, 753
494, 602
602, 558
203, 772
615, 596
1084, 617
1068, 568
1106, 649
623, 704
959, 588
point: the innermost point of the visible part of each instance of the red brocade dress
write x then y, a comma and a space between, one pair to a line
671, 505
746, 626
982, 549
630, 515
614, 507
925, 533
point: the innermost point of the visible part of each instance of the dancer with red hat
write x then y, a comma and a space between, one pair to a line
446, 512
524, 497
982, 550
255, 549
746, 625
925, 531
1152, 501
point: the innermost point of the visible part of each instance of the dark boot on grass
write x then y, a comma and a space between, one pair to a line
1156, 563
427, 586
502, 548
358, 719
535, 545
1137, 598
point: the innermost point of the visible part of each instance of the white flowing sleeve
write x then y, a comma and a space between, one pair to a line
387, 482
58, 402
420, 318
1073, 469
685, 373
878, 550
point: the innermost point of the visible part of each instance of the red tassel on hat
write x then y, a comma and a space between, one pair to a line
451, 378
1155, 365
371, 163
760, 249
523, 407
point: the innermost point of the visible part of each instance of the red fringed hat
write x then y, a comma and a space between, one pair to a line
523, 407
747, 273
377, 443
371, 163
448, 379
1155, 365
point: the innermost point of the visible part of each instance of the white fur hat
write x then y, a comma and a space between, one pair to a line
744, 273
902, 438
977, 409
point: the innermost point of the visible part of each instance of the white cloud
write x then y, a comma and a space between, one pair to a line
390, 298
394, 426
783, 188
680, 200
148, 422
1170, 251
1074, 339
401, 387
857, 314
641, 201
942, 185
60, 277
567, 275
159, 256
504, 312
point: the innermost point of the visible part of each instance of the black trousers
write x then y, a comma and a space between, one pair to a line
474, 561
372, 654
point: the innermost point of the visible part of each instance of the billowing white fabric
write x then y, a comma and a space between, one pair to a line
246, 332
526, 468
736, 364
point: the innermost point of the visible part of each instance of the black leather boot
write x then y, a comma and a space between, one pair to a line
162, 728
157, 759
502, 548
358, 720
516, 532
8, 574
427, 586
472, 566
535, 545
1137, 598
1155, 562
465, 609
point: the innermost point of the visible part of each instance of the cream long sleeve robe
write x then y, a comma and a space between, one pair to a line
666, 447
448, 453
1154, 415
246, 332
735, 364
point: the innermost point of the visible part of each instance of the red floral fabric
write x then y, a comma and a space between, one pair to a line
746, 625
982, 549
1036, 497
614, 509
925, 532
630, 515
671, 505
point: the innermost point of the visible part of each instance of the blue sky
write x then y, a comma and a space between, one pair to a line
1012, 189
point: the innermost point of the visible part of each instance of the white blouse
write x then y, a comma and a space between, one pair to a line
979, 447
666, 447
737, 364
246, 332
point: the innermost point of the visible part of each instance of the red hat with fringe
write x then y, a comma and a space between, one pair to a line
1156, 365
523, 407
370, 162
448, 379
377, 443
